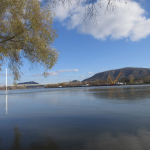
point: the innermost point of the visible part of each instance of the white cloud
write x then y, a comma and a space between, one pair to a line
128, 22
90, 72
55, 73
82, 76
66, 10
68, 70
3, 74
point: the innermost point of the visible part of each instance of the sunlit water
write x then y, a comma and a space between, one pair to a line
88, 118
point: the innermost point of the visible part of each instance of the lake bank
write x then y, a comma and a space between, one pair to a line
13, 87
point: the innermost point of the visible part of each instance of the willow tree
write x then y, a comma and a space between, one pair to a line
92, 8
26, 31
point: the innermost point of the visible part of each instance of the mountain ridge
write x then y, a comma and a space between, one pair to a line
127, 72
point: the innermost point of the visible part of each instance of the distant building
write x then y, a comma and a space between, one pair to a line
75, 81
30, 82
120, 83
138, 81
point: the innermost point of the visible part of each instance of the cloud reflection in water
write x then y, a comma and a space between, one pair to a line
130, 93
121, 141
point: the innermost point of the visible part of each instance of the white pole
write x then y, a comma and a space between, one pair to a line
6, 79
6, 104
6, 91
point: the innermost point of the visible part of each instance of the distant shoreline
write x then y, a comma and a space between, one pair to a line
40, 87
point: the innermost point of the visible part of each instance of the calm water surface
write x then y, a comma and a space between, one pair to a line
88, 118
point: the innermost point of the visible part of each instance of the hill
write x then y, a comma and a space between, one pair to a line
126, 73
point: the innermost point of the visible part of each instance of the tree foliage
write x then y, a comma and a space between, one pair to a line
26, 32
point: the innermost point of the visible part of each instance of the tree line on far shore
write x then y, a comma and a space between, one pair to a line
128, 81
131, 80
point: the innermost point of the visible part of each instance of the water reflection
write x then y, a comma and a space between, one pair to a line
6, 105
50, 145
76, 120
131, 93
108, 141
104, 141
44, 144
17, 140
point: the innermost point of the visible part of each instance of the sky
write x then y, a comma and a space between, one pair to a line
112, 40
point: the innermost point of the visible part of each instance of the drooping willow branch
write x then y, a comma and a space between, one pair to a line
91, 7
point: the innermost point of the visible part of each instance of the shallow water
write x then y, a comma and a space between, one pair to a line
88, 118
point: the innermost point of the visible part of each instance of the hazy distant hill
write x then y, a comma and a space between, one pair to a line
126, 72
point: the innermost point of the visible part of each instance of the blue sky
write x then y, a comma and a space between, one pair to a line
117, 40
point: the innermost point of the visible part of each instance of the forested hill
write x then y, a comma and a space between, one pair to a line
126, 73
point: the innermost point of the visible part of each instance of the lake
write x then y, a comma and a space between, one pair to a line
82, 118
